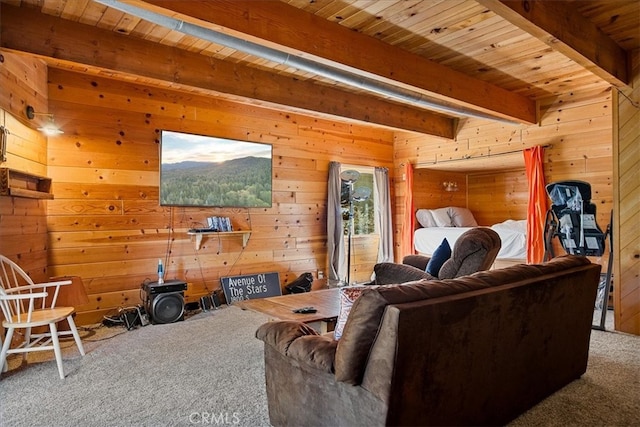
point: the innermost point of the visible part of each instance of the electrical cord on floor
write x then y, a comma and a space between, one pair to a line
107, 321
105, 338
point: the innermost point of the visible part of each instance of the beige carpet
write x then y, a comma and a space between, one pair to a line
209, 370
608, 394
206, 370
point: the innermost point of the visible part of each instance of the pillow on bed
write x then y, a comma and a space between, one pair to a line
462, 217
439, 257
517, 225
441, 217
425, 218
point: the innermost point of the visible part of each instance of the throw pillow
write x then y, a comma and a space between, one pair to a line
348, 296
440, 256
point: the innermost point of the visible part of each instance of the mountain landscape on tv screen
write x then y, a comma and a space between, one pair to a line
242, 182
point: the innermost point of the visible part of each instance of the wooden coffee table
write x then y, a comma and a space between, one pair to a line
326, 301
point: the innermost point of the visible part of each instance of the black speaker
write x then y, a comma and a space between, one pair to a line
165, 302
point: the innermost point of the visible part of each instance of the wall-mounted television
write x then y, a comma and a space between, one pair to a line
200, 170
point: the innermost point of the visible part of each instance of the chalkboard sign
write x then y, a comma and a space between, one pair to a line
250, 286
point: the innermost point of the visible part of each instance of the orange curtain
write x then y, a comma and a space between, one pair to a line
537, 206
408, 223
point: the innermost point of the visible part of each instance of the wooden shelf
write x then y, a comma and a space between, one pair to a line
199, 235
22, 184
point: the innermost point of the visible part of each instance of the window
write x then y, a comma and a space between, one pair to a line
362, 201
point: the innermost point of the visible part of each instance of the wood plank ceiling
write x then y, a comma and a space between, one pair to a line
487, 58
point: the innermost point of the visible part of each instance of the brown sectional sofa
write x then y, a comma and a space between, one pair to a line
476, 350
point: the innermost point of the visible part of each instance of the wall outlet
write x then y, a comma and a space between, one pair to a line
320, 274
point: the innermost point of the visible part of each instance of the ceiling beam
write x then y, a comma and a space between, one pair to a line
26, 30
276, 23
559, 25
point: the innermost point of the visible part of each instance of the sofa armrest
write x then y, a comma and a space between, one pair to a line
388, 273
418, 261
300, 342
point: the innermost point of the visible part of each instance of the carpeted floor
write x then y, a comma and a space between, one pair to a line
209, 370
608, 394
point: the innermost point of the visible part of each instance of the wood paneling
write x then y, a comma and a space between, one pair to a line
299, 31
106, 225
626, 149
582, 41
463, 35
25, 30
579, 139
428, 192
498, 196
108, 118
25, 77
23, 225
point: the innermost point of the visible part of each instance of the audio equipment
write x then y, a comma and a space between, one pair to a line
165, 301
209, 302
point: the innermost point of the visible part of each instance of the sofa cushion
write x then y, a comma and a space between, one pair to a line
348, 296
388, 273
440, 255
362, 324
417, 261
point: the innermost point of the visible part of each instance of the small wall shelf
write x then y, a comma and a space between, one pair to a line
23, 184
199, 234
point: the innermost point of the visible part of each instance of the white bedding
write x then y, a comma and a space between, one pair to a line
512, 234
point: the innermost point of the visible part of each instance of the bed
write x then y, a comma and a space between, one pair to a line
451, 222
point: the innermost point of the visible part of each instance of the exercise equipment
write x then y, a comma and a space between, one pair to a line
572, 219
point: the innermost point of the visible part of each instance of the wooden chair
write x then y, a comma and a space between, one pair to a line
25, 306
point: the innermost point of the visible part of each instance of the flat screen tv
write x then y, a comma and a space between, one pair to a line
200, 170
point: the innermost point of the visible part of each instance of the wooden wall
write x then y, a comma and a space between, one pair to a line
626, 126
576, 126
507, 198
23, 225
428, 192
106, 224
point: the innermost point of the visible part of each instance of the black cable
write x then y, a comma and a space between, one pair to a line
241, 251
204, 282
169, 241
233, 265
634, 103
105, 338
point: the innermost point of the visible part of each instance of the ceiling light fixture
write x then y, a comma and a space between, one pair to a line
50, 128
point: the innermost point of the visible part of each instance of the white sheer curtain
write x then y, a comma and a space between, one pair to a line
383, 214
335, 233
